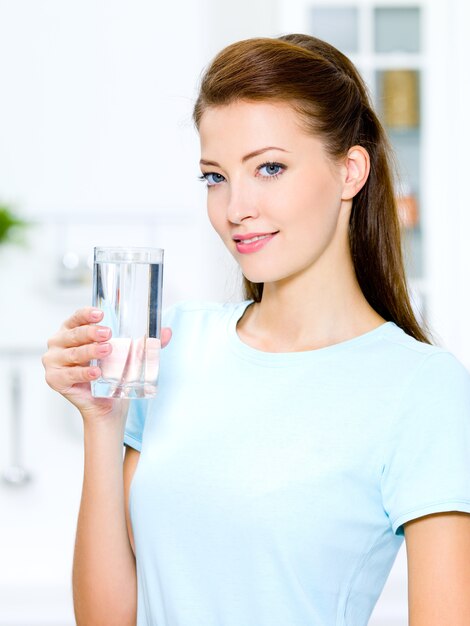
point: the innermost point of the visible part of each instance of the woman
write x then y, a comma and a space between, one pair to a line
301, 435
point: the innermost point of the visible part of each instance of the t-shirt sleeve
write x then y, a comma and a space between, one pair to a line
428, 465
138, 409
135, 423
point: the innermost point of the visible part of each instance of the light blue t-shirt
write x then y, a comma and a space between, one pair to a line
272, 488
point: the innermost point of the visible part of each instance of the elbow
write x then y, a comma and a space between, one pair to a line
102, 612
112, 618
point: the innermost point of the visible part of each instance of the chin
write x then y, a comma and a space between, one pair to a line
274, 273
271, 268
262, 276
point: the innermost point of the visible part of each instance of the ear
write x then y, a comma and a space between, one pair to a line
357, 168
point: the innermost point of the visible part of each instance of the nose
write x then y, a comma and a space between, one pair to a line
241, 205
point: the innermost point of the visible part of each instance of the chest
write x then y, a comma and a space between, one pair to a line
287, 451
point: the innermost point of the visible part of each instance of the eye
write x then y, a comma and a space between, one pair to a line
212, 178
271, 169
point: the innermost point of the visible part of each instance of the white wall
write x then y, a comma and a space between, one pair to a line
447, 219
97, 147
96, 104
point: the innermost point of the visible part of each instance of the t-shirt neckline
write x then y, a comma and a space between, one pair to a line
281, 358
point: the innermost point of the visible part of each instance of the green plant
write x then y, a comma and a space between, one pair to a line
10, 226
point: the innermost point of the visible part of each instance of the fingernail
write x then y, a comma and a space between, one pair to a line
94, 372
96, 314
102, 332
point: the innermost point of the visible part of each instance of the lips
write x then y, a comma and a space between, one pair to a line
252, 242
250, 237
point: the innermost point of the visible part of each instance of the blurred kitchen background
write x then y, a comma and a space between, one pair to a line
97, 148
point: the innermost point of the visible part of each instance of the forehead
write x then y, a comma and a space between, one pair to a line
241, 122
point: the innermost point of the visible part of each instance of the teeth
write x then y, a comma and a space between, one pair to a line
254, 239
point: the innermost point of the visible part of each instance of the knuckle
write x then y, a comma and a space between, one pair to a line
75, 335
52, 341
70, 377
73, 355
48, 359
49, 379
83, 314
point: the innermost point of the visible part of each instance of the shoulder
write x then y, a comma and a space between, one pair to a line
424, 383
422, 363
198, 306
396, 338
193, 322
432, 389
440, 386
197, 312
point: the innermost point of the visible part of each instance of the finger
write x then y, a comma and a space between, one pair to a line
166, 336
79, 336
82, 355
61, 379
87, 315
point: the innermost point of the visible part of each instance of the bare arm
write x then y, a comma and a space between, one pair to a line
104, 572
438, 551
104, 576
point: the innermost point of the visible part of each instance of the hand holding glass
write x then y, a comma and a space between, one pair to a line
127, 287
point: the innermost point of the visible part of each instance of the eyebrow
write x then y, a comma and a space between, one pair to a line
247, 156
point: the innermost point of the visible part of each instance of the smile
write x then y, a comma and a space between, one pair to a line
257, 238
252, 244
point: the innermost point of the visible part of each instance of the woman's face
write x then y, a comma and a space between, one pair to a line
274, 196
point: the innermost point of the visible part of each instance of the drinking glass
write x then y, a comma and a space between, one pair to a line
127, 287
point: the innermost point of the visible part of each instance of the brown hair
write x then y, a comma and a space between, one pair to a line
327, 91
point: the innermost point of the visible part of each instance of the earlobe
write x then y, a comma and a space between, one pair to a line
357, 170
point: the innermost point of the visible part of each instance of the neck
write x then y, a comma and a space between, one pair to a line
316, 308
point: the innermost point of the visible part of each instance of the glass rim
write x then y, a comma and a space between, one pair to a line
128, 254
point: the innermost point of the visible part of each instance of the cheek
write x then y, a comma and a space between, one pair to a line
215, 215
316, 205
314, 216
